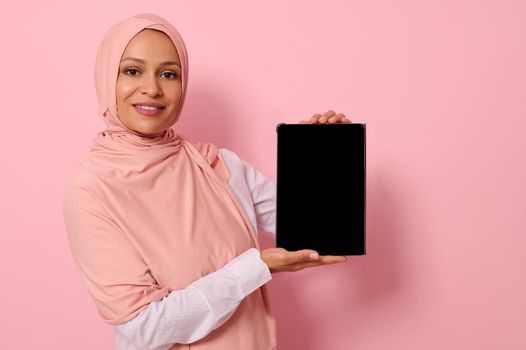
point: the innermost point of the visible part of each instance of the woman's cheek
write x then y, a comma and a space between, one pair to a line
125, 89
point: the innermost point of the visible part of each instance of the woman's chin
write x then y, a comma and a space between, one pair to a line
149, 132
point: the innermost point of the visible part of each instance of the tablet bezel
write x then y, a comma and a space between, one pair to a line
282, 129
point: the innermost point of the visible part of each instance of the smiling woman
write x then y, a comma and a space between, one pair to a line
164, 231
149, 86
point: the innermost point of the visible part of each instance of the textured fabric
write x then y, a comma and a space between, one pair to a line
149, 215
190, 314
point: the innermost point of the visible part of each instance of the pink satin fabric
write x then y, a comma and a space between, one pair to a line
146, 216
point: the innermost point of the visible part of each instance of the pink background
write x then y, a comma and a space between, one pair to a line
441, 86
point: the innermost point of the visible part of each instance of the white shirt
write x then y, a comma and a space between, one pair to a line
188, 315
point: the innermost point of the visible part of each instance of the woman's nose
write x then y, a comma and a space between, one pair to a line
151, 86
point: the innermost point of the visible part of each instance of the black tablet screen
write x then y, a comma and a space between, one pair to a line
321, 188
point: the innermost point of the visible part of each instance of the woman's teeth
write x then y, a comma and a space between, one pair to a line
148, 108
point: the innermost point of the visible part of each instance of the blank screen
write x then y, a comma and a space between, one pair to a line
321, 188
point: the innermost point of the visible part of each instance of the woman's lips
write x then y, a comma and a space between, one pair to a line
149, 111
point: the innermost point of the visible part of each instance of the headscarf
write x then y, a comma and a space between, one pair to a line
149, 215
107, 67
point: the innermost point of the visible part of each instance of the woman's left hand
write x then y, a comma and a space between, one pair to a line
329, 117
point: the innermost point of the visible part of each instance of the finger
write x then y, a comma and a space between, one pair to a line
329, 113
332, 259
336, 118
314, 118
326, 116
300, 256
303, 122
340, 118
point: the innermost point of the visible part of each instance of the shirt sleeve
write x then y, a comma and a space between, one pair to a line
256, 192
187, 315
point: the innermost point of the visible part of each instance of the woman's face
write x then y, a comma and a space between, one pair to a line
149, 73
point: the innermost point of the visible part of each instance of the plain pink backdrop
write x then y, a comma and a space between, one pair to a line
441, 86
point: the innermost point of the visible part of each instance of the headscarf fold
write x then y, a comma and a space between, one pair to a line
149, 215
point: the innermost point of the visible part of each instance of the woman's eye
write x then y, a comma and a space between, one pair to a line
134, 72
172, 75
131, 70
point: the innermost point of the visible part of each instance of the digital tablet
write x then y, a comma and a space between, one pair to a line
320, 201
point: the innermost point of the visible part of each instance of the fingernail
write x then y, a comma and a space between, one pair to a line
313, 256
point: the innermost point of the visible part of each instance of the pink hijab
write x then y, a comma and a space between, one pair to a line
107, 67
146, 216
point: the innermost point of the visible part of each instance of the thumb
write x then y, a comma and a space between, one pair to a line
303, 255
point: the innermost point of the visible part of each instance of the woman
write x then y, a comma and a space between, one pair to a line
164, 231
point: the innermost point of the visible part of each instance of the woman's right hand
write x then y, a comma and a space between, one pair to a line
279, 259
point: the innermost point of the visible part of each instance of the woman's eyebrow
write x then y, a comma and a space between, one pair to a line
168, 63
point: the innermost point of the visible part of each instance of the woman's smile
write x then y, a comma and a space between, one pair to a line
149, 109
